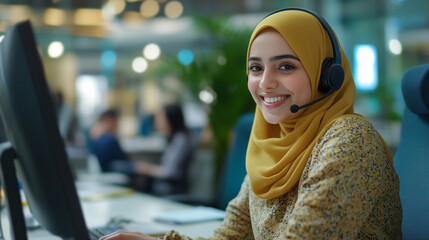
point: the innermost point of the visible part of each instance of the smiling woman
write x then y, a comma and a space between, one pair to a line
277, 78
322, 172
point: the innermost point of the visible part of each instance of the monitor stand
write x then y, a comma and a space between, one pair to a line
11, 188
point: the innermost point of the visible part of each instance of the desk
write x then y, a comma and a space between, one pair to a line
153, 144
149, 148
138, 207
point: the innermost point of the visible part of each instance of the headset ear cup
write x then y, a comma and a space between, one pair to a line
336, 76
331, 77
324, 81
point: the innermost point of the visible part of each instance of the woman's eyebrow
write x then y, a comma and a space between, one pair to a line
254, 59
275, 58
280, 57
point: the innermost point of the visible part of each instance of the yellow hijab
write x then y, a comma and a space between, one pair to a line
278, 153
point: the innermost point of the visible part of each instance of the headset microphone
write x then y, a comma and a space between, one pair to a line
295, 108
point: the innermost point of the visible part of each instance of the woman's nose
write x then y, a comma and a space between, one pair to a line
268, 81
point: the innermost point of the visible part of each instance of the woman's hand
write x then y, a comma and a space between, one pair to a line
124, 235
147, 168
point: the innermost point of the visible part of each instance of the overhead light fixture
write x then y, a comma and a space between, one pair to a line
117, 6
173, 9
54, 17
88, 17
149, 8
395, 46
55, 49
151, 51
19, 13
139, 65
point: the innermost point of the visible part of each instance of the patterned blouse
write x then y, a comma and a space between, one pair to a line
348, 190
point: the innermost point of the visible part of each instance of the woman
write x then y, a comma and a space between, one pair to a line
322, 172
170, 176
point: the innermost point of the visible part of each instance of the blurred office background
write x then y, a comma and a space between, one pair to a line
137, 55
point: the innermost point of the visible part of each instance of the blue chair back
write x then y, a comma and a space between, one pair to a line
147, 125
234, 169
412, 156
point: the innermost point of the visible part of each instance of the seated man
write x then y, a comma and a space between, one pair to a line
105, 143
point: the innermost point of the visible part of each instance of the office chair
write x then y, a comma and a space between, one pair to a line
412, 156
146, 125
234, 169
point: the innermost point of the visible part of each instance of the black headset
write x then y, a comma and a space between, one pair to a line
332, 74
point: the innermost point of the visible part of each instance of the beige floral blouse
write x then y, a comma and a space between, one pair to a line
348, 190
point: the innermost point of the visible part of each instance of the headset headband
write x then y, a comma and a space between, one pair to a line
325, 25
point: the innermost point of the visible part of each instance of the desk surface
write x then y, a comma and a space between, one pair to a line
102, 205
153, 144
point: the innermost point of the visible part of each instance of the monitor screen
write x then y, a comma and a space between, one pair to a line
29, 117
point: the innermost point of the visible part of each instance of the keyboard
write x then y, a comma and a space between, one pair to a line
96, 233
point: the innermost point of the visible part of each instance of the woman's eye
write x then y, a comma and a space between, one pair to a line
254, 68
286, 67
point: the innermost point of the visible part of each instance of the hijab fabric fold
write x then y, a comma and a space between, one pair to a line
278, 153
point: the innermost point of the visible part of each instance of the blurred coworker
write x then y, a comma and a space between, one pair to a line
105, 143
170, 176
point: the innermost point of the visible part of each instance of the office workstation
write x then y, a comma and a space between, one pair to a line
107, 205
275, 151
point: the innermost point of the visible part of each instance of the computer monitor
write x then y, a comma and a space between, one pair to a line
2, 133
36, 148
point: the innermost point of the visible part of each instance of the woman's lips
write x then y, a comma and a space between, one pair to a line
273, 101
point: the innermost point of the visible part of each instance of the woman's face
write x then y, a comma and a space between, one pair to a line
277, 79
161, 122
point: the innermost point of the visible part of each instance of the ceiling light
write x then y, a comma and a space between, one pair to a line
118, 6
19, 13
149, 8
151, 51
395, 46
54, 17
173, 9
139, 65
55, 49
88, 17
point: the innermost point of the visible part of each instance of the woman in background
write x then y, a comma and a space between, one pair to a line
170, 176
320, 172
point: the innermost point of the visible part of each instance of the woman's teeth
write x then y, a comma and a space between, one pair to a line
274, 99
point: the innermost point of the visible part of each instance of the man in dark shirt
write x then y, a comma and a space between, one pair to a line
105, 143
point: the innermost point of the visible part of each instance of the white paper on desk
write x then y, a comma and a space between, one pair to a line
190, 215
